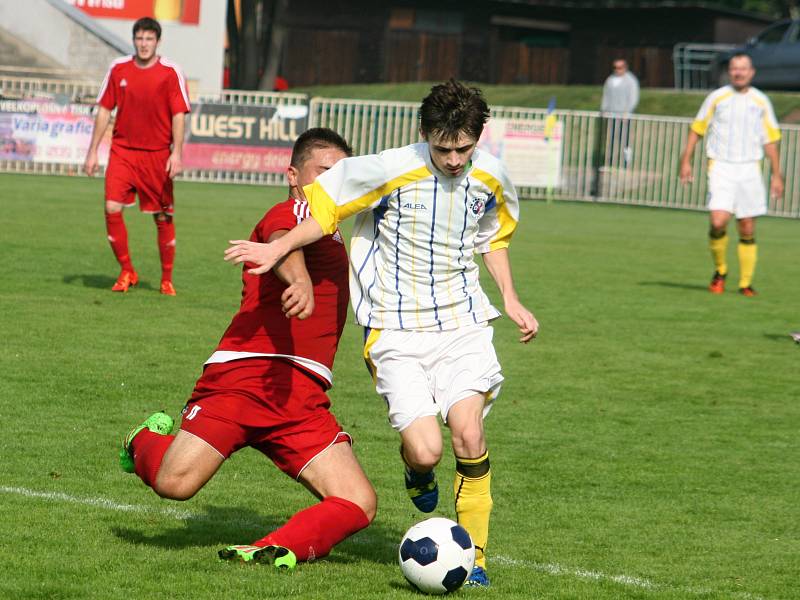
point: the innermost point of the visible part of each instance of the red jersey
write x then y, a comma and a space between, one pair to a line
261, 328
146, 100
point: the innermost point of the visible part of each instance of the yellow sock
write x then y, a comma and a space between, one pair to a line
472, 489
748, 255
718, 243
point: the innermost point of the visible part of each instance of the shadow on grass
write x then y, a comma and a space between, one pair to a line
100, 281
674, 284
225, 526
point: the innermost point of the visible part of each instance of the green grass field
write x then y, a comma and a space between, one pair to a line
644, 447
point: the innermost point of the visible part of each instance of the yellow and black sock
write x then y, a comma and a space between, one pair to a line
718, 243
748, 255
472, 489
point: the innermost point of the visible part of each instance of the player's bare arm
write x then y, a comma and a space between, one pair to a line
267, 255
499, 267
174, 162
686, 158
101, 122
297, 299
776, 180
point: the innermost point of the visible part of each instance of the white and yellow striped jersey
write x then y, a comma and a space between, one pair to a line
416, 234
736, 124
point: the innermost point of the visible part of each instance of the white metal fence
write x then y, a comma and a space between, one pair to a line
627, 161
697, 65
595, 163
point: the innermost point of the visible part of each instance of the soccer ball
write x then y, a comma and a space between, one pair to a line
437, 556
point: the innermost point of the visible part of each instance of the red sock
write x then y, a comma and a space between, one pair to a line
148, 452
312, 532
166, 247
118, 238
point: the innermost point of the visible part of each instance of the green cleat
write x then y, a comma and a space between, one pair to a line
277, 556
160, 423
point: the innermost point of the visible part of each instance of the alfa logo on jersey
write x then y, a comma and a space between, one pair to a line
477, 206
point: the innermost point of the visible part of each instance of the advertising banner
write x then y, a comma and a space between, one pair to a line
531, 150
183, 11
42, 130
223, 137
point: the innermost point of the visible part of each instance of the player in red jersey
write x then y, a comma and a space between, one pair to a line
264, 387
150, 96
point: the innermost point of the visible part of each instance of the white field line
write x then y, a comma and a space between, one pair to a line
636, 582
548, 568
167, 511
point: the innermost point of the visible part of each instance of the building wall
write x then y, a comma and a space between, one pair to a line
198, 49
337, 41
49, 31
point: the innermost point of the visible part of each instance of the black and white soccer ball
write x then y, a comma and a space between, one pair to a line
437, 556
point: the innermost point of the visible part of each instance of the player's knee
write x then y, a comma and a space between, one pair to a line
716, 233
422, 458
173, 487
162, 218
469, 441
367, 500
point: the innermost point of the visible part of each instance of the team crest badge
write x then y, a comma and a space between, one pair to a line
477, 206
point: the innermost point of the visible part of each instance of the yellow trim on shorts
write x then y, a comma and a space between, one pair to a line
373, 336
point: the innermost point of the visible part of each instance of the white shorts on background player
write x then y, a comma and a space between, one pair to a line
737, 188
424, 373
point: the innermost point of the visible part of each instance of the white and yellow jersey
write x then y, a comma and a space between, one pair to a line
416, 234
736, 124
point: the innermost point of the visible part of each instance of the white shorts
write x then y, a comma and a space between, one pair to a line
737, 188
424, 373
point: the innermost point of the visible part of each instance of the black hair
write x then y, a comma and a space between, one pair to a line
147, 24
317, 137
452, 108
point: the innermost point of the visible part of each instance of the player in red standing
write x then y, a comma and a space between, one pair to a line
265, 385
150, 95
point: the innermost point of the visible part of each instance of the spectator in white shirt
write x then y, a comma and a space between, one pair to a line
620, 98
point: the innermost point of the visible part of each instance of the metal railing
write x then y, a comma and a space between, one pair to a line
14, 86
696, 65
634, 160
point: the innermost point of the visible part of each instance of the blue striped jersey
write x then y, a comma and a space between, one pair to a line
736, 124
416, 233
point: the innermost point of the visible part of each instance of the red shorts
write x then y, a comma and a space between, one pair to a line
143, 172
267, 404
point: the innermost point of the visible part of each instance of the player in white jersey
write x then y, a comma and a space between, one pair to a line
423, 212
740, 128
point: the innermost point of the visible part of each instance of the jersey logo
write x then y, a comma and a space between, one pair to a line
338, 237
477, 206
123, 83
300, 210
192, 413
415, 206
